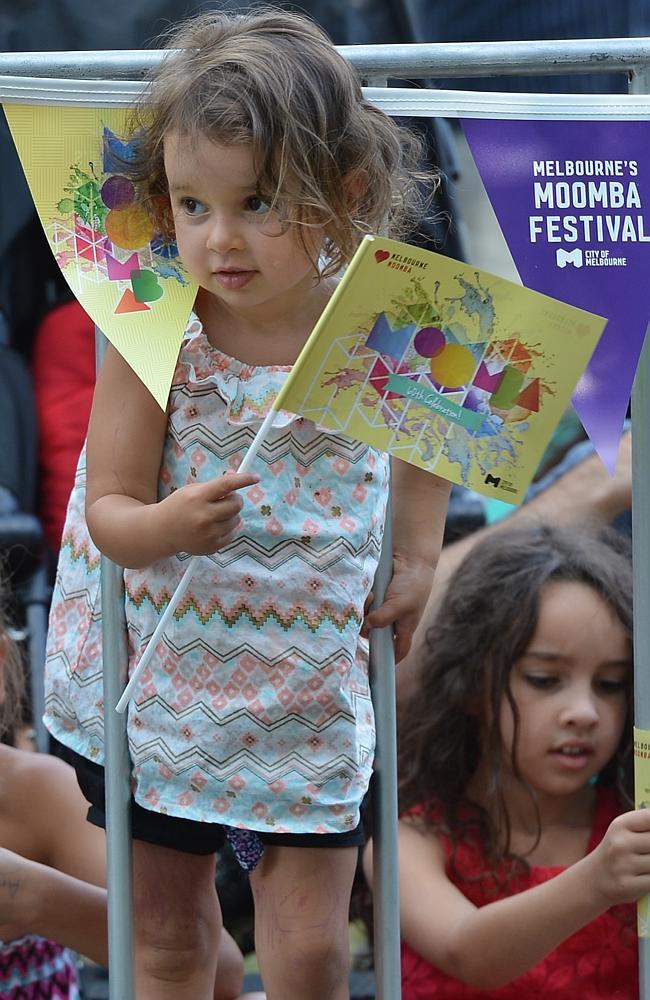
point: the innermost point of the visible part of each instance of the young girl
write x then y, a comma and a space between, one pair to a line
515, 763
259, 155
52, 873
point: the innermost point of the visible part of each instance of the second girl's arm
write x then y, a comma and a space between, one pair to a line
36, 899
125, 444
419, 509
491, 945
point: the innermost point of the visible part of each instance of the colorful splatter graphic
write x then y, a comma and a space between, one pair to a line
446, 367
456, 361
104, 234
128, 278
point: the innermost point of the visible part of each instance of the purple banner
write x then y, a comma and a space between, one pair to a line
572, 200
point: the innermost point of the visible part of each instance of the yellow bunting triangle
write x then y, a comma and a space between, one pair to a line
127, 278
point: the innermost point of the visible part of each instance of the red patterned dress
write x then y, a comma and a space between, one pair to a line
598, 962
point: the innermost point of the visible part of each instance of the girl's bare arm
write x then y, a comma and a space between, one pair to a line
58, 891
489, 946
37, 899
125, 443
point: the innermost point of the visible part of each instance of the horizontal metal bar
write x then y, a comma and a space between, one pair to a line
436, 60
475, 59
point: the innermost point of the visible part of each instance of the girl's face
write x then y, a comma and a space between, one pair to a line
570, 688
229, 240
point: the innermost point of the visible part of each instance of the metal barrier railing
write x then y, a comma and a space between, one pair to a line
376, 64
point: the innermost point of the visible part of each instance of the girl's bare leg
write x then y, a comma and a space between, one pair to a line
230, 970
177, 924
302, 900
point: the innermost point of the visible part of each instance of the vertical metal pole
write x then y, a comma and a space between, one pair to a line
385, 866
640, 84
37, 601
388, 978
117, 775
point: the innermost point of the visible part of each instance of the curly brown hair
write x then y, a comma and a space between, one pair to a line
324, 155
484, 624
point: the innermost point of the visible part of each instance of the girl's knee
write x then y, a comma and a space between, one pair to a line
172, 943
173, 950
307, 964
193, 932
327, 960
230, 969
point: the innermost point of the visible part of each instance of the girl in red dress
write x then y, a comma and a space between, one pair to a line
520, 861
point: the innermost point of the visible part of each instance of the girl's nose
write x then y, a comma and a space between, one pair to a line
580, 708
225, 234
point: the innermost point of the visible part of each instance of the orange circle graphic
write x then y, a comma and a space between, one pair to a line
454, 366
129, 228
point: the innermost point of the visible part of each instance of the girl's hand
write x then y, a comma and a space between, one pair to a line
406, 597
201, 518
621, 862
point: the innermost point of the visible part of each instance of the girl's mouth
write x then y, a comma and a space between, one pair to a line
573, 756
233, 279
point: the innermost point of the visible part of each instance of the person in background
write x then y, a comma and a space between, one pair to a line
53, 865
577, 491
519, 860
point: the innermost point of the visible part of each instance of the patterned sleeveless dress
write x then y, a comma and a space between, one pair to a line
255, 711
33, 968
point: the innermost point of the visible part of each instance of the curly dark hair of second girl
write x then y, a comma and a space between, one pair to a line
484, 624
325, 157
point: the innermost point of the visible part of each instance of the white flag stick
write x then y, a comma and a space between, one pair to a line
184, 583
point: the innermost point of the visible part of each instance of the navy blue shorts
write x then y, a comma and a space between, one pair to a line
187, 835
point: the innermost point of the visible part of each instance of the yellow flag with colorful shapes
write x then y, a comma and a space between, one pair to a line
127, 277
642, 801
442, 365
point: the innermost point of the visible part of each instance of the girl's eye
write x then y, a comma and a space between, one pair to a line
610, 686
257, 205
191, 206
541, 681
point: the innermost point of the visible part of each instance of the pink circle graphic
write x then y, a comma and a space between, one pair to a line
429, 341
117, 192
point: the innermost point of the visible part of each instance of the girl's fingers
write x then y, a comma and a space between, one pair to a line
223, 486
226, 510
230, 536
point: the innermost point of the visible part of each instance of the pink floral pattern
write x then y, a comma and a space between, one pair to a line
255, 711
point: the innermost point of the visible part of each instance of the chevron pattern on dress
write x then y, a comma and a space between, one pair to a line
255, 710
319, 557
33, 968
206, 613
246, 762
214, 660
277, 446
71, 668
82, 550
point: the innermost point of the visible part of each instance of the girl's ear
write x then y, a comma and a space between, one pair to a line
162, 215
355, 185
